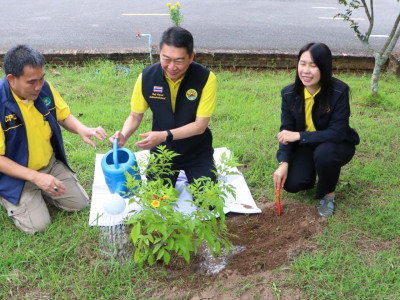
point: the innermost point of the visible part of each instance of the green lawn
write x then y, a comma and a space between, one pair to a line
359, 255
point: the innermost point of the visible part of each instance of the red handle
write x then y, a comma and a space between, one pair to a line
278, 201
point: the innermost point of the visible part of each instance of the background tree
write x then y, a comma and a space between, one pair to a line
382, 55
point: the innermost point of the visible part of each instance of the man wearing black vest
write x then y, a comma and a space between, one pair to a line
33, 165
181, 95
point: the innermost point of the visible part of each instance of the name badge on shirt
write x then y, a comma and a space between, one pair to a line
157, 93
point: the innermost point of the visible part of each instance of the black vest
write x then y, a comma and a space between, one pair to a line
16, 142
156, 91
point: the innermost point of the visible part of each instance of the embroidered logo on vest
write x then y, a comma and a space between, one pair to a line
11, 121
191, 94
47, 101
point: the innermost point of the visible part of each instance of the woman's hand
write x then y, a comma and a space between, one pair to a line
280, 175
286, 136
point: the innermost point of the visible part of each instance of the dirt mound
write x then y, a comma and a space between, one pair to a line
272, 240
267, 242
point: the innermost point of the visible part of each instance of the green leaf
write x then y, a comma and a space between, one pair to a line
170, 244
160, 254
163, 229
150, 238
158, 246
186, 256
136, 256
167, 257
135, 233
218, 248
150, 259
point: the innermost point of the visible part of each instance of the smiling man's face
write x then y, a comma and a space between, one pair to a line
175, 61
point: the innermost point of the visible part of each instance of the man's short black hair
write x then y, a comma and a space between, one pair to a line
20, 56
178, 37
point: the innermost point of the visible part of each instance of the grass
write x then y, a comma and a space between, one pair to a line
359, 256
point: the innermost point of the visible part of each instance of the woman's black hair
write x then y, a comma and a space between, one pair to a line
322, 57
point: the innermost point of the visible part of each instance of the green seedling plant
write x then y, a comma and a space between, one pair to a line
227, 166
159, 230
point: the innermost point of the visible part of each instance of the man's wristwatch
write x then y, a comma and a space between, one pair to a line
281, 162
170, 137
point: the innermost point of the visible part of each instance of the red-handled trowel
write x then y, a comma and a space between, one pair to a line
278, 201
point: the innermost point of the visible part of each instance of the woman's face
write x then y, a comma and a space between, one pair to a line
308, 72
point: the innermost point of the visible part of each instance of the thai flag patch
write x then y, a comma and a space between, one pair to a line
157, 89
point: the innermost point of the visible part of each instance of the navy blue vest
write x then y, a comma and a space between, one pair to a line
16, 142
156, 91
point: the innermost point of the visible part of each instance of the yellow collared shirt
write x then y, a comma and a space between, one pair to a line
207, 101
38, 130
308, 106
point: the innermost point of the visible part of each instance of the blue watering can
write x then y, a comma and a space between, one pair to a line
114, 163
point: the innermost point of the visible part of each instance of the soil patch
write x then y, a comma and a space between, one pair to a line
269, 242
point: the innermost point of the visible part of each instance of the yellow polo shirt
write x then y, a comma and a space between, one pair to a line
207, 101
308, 105
38, 130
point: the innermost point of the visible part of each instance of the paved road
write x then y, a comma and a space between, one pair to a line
252, 25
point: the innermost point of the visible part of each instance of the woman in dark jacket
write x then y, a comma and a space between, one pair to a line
315, 137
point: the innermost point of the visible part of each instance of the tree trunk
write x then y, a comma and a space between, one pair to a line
379, 62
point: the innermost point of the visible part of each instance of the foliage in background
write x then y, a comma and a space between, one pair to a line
382, 55
159, 229
175, 13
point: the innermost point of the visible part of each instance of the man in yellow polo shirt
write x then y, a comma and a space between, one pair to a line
181, 95
33, 165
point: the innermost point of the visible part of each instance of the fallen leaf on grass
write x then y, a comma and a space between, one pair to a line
52, 71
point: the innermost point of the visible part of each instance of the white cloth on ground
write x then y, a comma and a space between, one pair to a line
244, 202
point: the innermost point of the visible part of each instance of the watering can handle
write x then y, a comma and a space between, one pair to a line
115, 153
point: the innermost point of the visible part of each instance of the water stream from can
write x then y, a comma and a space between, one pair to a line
115, 245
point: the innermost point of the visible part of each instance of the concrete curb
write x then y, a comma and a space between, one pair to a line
224, 59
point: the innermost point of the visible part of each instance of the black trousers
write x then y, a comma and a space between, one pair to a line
324, 160
195, 166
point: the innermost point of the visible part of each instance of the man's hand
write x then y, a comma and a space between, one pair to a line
73, 125
286, 136
97, 132
50, 184
152, 139
45, 182
121, 139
